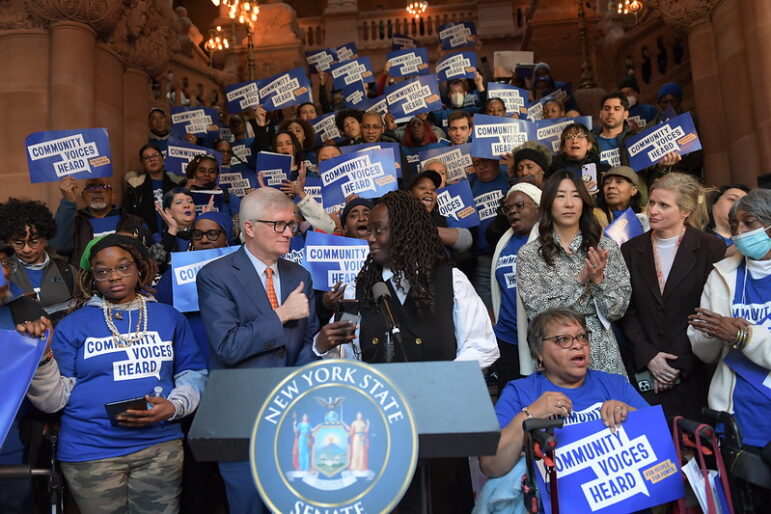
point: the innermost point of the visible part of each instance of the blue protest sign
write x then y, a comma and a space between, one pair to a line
320, 60
312, 189
2, 284
326, 129
457, 160
20, 356
200, 121
515, 99
457, 35
274, 167
495, 135
203, 198
401, 42
378, 104
457, 66
243, 152
346, 52
296, 249
627, 471
355, 95
241, 96
667, 115
676, 135
624, 227
184, 268
413, 97
535, 111
285, 89
395, 148
352, 71
331, 259
548, 132
238, 181
53, 155
408, 62
456, 203
179, 153
368, 174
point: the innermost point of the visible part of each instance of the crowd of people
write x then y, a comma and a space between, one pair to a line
560, 317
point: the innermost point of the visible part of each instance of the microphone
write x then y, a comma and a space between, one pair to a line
382, 297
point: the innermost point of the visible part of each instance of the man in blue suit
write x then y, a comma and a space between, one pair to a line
258, 311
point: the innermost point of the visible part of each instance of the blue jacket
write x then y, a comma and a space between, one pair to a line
243, 330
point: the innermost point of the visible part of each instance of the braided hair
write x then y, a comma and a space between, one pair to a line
415, 249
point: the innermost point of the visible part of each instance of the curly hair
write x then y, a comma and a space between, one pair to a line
147, 271
310, 135
298, 148
348, 113
590, 228
16, 215
196, 161
415, 250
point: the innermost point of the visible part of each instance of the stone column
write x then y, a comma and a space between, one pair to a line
739, 104
136, 104
709, 102
108, 108
72, 75
756, 23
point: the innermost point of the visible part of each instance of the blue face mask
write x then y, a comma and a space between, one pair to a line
753, 244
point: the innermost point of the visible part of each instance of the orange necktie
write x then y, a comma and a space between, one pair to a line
269, 289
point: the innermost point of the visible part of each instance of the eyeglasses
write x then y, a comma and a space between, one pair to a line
102, 273
506, 209
280, 226
576, 135
152, 156
33, 242
8, 264
211, 235
566, 341
98, 188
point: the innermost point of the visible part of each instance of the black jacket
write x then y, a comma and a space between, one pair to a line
139, 199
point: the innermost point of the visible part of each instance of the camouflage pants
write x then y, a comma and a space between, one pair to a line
147, 481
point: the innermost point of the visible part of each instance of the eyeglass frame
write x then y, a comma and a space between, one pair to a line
24, 242
91, 188
99, 269
206, 233
285, 224
572, 339
156, 155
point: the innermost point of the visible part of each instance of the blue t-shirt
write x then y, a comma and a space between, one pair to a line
487, 196
35, 277
104, 226
587, 399
506, 275
609, 152
108, 372
752, 408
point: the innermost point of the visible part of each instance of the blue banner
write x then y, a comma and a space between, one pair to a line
184, 269
408, 62
624, 227
179, 153
457, 66
413, 97
285, 89
238, 181
395, 148
457, 35
457, 160
320, 60
243, 152
274, 167
201, 199
548, 132
515, 99
20, 356
346, 52
456, 203
495, 135
627, 471
378, 104
241, 96
401, 42
201, 121
326, 129
331, 259
355, 96
369, 174
79, 154
352, 71
676, 135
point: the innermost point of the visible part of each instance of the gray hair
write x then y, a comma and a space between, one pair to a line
538, 328
435, 161
261, 201
758, 202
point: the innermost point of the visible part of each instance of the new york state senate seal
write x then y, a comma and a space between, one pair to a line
334, 437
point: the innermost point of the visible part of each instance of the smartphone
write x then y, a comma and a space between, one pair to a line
644, 381
589, 174
347, 310
121, 406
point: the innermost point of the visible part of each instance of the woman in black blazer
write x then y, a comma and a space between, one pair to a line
668, 267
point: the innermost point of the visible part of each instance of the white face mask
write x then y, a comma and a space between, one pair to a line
632, 101
456, 99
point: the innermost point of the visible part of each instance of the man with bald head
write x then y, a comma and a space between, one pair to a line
75, 228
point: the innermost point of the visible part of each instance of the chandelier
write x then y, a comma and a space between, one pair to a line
417, 7
629, 7
241, 11
217, 41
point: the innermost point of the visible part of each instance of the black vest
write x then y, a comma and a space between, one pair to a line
429, 336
